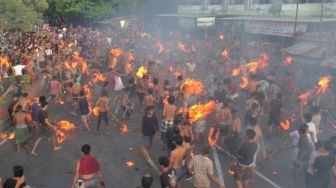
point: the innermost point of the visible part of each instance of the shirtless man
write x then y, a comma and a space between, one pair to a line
177, 157
103, 109
24, 101
149, 99
75, 94
168, 114
224, 117
22, 134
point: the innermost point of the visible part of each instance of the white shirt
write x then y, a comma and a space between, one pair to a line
18, 69
312, 130
48, 52
295, 136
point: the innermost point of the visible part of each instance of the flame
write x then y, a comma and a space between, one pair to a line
78, 60
98, 77
11, 136
192, 87
3, 136
304, 96
182, 47
141, 72
116, 52
60, 136
221, 36
323, 84
60, 101
4, 62
244, 82
236, 72
95, 111
66, 125
285, 124
123, 129
160, 47
287, 60
212, 139
130, 163
225, 53
252, 66
199, 111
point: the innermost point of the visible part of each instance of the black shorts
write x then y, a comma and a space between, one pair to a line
274, 120
242, 173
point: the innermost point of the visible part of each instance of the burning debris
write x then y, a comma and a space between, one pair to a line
66, 125
141, 72
192, 87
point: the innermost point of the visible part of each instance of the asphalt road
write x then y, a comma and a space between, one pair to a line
55, 169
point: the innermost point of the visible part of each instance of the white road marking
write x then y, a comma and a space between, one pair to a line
218, 166
267, 180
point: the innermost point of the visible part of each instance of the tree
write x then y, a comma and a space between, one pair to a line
21, 15
82, 11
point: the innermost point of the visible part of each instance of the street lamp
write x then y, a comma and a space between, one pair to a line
122, 24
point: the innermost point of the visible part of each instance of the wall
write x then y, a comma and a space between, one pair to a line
288, 10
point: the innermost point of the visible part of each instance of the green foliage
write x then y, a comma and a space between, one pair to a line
81, 11
21, 15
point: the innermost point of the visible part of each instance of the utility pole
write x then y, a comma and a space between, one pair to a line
321, 19
296, 15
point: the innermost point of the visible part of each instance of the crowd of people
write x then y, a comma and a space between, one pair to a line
143, 72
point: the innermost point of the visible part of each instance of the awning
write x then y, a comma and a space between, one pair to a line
307, 49
279, 19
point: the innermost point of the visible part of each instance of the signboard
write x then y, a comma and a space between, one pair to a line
205, 21
278, 28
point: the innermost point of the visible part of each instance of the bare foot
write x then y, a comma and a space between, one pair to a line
33, 153
57, 148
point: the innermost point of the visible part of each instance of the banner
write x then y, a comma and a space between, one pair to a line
278, 28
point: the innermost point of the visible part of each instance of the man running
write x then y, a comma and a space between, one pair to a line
103, 109
84, 110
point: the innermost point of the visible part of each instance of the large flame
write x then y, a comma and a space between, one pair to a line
285, 124
182, 47
213, 138
116, 52
123, 129
244, 82
160, 47
304, 96
236, 72
4, 62
287, 60
225, 53
252, 66
199, 111
323, 84
78, 60
141, 72
66, 125
192, 87
95, 111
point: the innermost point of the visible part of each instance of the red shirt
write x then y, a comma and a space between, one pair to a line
88, 165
